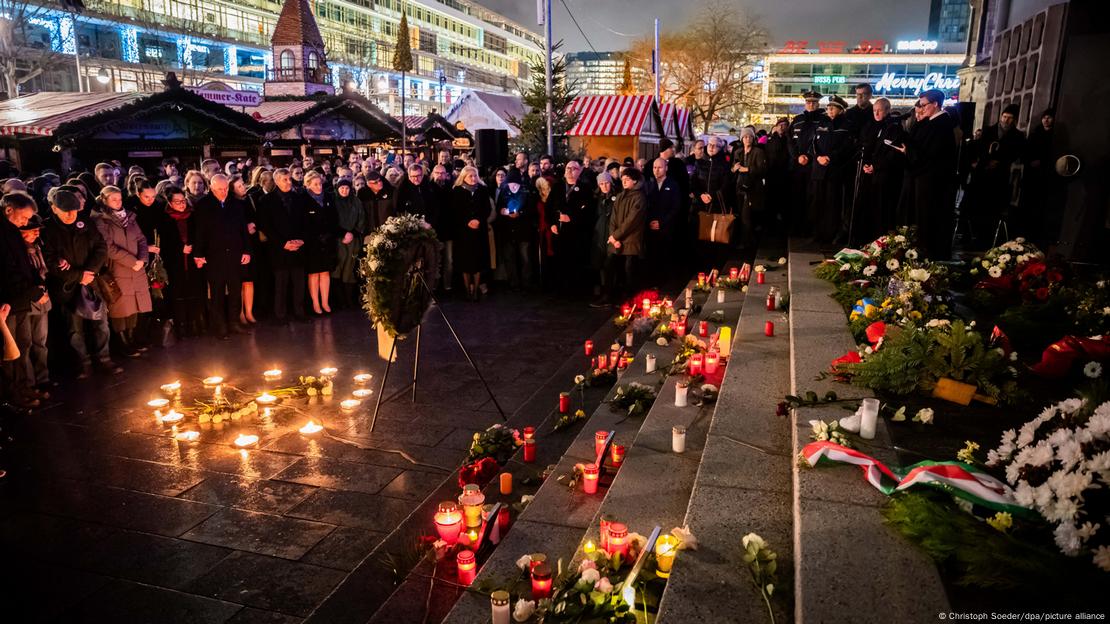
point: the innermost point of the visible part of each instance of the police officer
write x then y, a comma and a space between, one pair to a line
802, 131
833, 156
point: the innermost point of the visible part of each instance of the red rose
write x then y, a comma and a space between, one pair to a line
479, 472
1042, 293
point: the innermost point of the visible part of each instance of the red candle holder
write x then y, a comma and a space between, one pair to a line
626, 310
564, 402
701, 279
618, 539
646, 303
695, 365
734, 273
529, 451
590, 476
622, 363
449, 522
760, 277
771, 300
541, 581
467, 566
617, 454
503, 519
712, 362
769, 328
589, 347
680, 328
600, 437
703, 329
603, 527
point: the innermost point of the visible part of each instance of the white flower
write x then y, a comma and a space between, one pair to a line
524, 562
782, 261
924, 416
919, 275
1013, 356
869, 270
1093, 370
578, 379
686, 539
845, 266
1102, 558
1106, 311
526, 499
1004, 258
892, 264
898, 238
591, 575
752, 538
994, 271
1019, 240
586, 564
1087, 531
759, 268
661, 341
1101, 283
986, 264
523, 610
911, 254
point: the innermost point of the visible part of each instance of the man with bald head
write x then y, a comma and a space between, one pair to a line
664, 205
221, 249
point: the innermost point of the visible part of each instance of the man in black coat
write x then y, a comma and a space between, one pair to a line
222, 247
664, 207
20, 287
931, 154
833, 157
415, 196
777, 150
573, 215
883, 172
803, 130
377, 199
282, 220
1000, 146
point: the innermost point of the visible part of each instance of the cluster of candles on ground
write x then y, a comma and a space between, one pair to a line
465, 521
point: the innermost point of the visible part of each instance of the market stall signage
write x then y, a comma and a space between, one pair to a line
933, 80
230, 97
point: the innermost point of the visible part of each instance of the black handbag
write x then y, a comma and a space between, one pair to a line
89, 305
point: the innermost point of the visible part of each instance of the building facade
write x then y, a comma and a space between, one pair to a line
949, 21
599, 73
127, 45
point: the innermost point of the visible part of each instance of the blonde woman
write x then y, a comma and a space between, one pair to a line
471, 205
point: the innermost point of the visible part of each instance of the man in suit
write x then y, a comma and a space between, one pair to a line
222, 246
283, 222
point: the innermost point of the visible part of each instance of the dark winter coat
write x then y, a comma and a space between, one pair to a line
81, 246
282, 219
628, 221
221, 237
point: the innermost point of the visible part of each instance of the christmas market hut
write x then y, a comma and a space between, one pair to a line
323, 127
616, 126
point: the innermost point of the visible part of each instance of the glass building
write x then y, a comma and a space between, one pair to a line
599, 73
949, 20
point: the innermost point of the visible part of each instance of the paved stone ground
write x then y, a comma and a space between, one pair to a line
110, 519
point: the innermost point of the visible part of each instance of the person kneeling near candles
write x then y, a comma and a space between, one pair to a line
626, 235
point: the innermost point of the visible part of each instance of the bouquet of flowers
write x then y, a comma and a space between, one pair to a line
1059, 464
498, 442
636, 398
1003, 261
588, 595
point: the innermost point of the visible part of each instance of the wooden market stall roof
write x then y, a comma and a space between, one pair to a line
612, 115
478, 110
432, 128
277, 115
41, 114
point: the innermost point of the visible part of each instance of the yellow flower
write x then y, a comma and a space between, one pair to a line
915, 315
580, 413
870, 311
967, 453
1001, 521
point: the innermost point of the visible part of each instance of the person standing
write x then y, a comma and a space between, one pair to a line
471, 205
749, 166
352, 222
883, 172
34, 331
570, 209
187, 290
283, 222
222, 249
606, 197
377, 198
127, 259
321, 253
515, 228
861, 117
777, 177
250, 271
664, 207
803, 131
1000, 146
441, 187
1041, 217
21, 287
626, 234
833, 170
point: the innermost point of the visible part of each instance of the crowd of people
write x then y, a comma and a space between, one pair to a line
107, 263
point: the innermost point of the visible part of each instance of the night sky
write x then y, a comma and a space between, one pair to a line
606, 21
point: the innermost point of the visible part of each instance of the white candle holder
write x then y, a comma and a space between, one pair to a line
680, 394
678, 439
869, 417
649, 363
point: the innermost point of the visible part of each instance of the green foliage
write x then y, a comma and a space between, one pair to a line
394, 296
533, 125
636, 398
962, 354
828, 271
402, 51
498, 442
896, 368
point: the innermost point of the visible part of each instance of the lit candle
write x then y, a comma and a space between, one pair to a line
536, 560
703, 329
689, 299
467, 566
600, 437
564, 402
618, 539
590, 475
649, 363
529, 444
711, 362
214, 380
499, 603
273, 374
506, 483
362, 393
172, 387
541, 581
760, 278
188, 436
589, 547
694, 364
771, 299
472, 499
172, 416
311, 427
701, 279
665, 548
769, 328
503, 519
734, 273
603, 527
246, 440
265, 399
329, 371
628, 338
625, 361
349, 404
589, 347
617, 453
720, 295
680, 390
626, 310
646, 304
363, 378
158, 403
448, 521
680, 327
869, 418
678, 439
724, 342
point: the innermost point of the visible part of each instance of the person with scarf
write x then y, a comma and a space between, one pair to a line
186, 290
515, 229
471, 205
222, 249
321, 252
127, 258
599, 250
353, 222
149, 209
282, 221
33, 331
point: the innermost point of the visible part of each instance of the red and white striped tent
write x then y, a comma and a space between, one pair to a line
40, 114
616, 126
677, 124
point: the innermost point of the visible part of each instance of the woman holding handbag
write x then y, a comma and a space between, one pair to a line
127, 259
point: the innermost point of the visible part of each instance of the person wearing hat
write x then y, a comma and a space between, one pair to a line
1001, 145
802, 131
607, 191
1041, 226
833, 167
33, 331
514, 229
352, 222
777, 195
21, 286
377, 199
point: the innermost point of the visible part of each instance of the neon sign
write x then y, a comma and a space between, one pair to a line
917, 45
934, 80
829, 80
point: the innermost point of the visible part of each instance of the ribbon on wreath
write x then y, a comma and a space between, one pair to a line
1059, 357
956, 478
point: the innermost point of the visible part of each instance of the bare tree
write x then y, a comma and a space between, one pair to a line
30, 39
707, 65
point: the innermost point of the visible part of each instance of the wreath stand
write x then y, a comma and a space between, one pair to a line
416, 361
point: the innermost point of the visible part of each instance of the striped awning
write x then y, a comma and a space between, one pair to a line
412, 122
685, 128
40, 114
280, 110
610, 115
666, 113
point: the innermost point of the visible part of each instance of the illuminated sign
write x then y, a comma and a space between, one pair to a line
917, 45
829, 80
230, 97
934, 80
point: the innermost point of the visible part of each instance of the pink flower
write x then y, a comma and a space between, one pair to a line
587, 564
604, 586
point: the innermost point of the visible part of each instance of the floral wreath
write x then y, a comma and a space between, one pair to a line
403, 248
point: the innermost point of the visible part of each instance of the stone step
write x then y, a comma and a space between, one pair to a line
743, 481
558, 520
848, 565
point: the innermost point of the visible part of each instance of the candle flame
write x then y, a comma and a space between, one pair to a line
349, 404
172, 416
589, 547
329, 371
214, 380
362, 393
363, 378
311, 427
246, 439
188, 436
272, 374
265, 399
171, 387
158, 403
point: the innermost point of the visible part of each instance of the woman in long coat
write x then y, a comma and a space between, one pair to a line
187, 287
353, 223
321, 253
471, 205
127, 258
749, 165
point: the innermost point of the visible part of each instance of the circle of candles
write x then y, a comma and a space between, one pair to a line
499, 603
589, 347
472, 499
724, 341
329, 371
695, 364
617, 454
363, 378
629, 337
246, 439
349, 404
769, 328
869, 415
712, 360
506, 483
448, 520
665, 548
362, 393
703, 328
590, 474
265, 399
600, 437
158, 403
678, 439
311, 427
273, 374
172, 416
564, 402
541, 581
720, 296
649, 363
618, 539
760, 278
188, 436
680, 391
171, 387
467, 566
214, 380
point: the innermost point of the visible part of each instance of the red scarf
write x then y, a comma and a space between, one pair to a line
181, 217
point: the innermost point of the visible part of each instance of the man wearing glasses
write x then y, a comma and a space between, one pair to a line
931, 156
